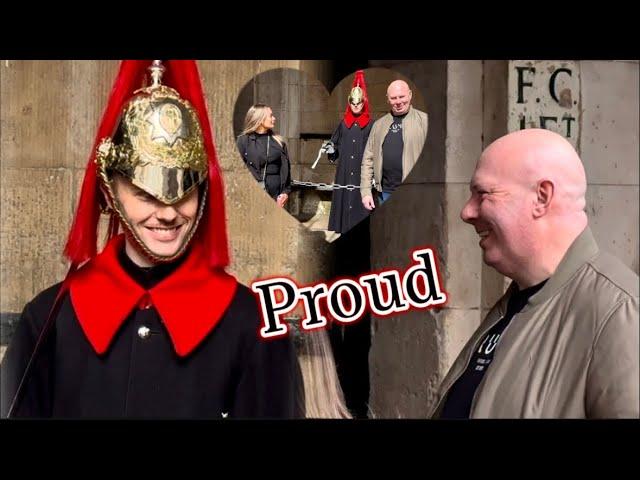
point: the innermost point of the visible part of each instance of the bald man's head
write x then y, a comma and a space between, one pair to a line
527, 200
399, 97
534, 155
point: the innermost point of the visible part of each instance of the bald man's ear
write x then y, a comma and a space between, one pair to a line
544, 196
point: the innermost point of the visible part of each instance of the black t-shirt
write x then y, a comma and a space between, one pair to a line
392, 148
460, 397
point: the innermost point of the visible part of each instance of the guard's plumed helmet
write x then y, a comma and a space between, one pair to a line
160, 148
159, 138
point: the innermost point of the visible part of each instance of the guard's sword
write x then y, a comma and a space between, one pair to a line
327, 147
318, 158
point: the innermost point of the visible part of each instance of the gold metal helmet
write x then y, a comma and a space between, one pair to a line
356, 95
159, 147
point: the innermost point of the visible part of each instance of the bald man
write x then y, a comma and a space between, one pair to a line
394, 145
563, 340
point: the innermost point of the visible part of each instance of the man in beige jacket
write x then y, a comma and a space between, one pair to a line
563, 341
394, 146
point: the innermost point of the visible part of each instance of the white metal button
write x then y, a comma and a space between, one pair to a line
144, 332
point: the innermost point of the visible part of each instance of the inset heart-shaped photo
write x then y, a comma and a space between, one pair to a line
330, 160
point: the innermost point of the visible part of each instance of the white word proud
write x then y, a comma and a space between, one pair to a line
384, 293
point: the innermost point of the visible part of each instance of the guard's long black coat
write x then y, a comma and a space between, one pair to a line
346, 205
231, 373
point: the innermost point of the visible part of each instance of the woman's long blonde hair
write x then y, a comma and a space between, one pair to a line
254, 118
323, 395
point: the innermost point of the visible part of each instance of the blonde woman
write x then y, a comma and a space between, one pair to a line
323, 397
265, 153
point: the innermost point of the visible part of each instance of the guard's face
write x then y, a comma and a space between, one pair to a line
269, 121
500, 210
356, 108
162, 228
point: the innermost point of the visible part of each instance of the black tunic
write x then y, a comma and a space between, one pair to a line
346, 205
231, 373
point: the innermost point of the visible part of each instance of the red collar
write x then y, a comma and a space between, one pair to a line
362, 120
190, 301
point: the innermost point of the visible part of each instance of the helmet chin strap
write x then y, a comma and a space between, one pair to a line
118, 213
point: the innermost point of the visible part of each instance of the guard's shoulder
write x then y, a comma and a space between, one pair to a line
36, 312
244, 307
44, 300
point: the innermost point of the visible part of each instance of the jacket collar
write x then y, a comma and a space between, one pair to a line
190, 301
388, 118
583, 249
362, 119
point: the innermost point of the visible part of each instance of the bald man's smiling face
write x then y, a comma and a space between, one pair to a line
527, 203
500, 210
399, 97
